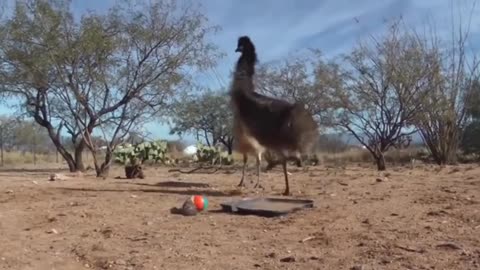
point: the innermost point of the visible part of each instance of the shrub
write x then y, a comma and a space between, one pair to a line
213, 155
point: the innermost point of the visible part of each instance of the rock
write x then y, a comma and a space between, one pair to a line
379, 180
107, 232
58, 177
288, 259
272, 255
9, 191
120, 262
448, 245
52, 219
188, 209
357, 267
52, 231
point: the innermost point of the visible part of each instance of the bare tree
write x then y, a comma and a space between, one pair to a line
383, 84
445, 110
108, 73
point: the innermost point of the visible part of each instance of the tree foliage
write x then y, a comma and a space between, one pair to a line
207, 116
445, 112
470, 143
304, 78
384, 85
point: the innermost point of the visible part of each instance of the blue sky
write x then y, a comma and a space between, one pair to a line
281, 27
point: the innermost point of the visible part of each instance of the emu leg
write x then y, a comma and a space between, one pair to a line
241, 184
259, 159
287, 188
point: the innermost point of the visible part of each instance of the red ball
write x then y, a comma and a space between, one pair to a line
200, 202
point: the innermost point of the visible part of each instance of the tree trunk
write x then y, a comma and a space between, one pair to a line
79, 156
61, 149
34, 150
380, 160
104, 169
1, 148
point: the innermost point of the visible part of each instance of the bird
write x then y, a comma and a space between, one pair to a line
284, 128
245, 143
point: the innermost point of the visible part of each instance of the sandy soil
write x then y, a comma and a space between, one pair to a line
425, 218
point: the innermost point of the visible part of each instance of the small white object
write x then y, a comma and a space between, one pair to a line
190, 150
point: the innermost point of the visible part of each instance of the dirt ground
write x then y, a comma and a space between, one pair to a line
422, 218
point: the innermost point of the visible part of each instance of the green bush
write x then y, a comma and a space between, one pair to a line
155, 152
212, 155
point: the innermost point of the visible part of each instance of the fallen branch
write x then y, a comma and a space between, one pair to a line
308, 239
410, 249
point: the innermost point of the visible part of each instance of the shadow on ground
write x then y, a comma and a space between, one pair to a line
175, 184
206, 192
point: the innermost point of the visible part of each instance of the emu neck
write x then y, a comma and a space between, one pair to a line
246, 63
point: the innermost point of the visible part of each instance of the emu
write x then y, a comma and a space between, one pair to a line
268, 123
246, 144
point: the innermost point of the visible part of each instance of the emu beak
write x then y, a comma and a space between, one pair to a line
239, 49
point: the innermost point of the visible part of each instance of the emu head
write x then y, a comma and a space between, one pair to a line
244, 43
245, 46
249, 57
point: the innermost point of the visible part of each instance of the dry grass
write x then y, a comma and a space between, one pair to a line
11, 158
27, 158
355, 156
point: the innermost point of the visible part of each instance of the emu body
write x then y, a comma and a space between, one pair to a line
279, 126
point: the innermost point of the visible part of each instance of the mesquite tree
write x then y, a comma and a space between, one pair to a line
452, 89
384, 83
206, 116
107, 73
302, 78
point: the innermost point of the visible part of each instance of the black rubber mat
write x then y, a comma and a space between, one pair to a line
266, 207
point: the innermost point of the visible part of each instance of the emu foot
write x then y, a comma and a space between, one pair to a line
286, 193
241, 184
